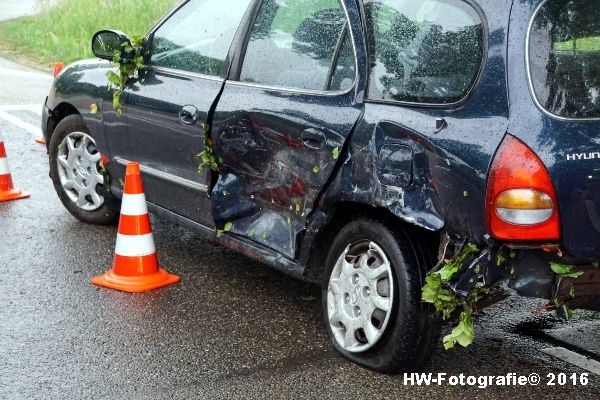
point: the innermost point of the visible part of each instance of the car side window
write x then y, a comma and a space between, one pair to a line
293, 44
564, 58
198, 36
423, 51
345, 69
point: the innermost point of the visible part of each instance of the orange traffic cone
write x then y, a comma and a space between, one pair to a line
135, 266
58, 66
7, 190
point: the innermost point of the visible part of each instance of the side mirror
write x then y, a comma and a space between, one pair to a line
106, 43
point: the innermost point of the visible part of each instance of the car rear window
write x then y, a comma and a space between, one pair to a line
564, 58
423, 51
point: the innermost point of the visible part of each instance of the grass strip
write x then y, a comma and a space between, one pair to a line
63, 31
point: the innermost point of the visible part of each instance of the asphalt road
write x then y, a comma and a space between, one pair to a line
231, 328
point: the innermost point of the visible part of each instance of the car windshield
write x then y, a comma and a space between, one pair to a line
564, 58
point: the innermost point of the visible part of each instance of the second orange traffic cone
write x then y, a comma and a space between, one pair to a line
135, 266
7, 190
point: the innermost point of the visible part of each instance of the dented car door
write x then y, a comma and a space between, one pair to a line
283, 118
167, 106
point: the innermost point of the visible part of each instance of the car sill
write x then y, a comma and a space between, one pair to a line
240, 244
166, 176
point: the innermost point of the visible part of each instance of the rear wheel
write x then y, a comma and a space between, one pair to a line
78, 179
372, 298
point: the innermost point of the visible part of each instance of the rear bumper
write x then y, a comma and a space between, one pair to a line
527, 270
582, 292
532, 277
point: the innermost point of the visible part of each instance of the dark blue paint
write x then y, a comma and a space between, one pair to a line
577, 182
393, 156
259, 133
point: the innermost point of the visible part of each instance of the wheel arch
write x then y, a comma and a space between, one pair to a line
60, 112
345, 212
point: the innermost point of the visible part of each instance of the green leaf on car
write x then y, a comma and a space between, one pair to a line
500, 259
127, 68
572, 292
463, 333
208, 159
438, 292
564, 270
226, 228
335, 153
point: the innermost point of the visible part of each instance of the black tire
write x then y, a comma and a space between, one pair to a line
412, 332
108, 212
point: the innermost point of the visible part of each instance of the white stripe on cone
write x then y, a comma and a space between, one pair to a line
134, 204
134, 245
4, 170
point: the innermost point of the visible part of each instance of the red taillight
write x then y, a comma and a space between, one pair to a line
521, 202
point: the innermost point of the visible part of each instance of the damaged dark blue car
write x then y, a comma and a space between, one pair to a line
363, 144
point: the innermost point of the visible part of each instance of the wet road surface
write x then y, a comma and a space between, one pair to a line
231, 328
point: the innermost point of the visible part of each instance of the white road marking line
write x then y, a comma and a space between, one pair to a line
573, 358
36, 108
24, 74
34, 130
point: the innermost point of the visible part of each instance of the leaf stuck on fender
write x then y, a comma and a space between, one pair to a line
564, 270
335, 153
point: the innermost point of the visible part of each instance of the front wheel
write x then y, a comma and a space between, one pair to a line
77, 175
372, 298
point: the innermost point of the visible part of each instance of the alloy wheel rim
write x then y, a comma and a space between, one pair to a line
78, 162
360, 296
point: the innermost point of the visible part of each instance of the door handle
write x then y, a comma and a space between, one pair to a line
188, 115
313, 138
